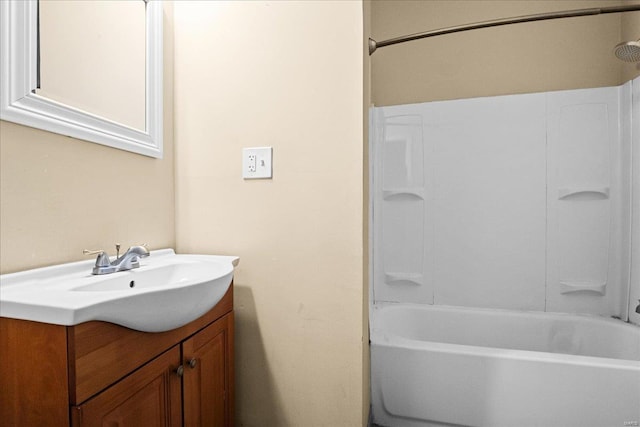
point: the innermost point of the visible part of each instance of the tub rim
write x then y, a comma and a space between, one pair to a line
384, 338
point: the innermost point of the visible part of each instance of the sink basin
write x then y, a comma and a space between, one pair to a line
166, 292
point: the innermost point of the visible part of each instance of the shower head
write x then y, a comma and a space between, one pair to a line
628, 51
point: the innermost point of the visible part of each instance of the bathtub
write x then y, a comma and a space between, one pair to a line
453, 366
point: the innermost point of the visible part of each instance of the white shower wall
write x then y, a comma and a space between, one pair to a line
634, 135
517, 202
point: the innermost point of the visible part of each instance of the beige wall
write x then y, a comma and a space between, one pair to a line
630, 32
60, 195
286, 75
542, 56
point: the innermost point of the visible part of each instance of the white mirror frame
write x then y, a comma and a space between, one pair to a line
20, 104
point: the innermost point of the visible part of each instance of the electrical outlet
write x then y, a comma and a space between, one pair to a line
256, 162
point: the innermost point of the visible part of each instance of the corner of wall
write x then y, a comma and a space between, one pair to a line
366, 386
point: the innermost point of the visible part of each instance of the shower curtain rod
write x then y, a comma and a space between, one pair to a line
374, 45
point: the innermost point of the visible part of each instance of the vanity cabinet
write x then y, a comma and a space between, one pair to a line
101, 374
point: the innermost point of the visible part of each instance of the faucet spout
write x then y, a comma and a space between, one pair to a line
129, 259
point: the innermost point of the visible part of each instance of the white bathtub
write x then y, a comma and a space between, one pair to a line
452, 366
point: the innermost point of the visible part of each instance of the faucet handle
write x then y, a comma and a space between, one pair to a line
103, 258
88, 252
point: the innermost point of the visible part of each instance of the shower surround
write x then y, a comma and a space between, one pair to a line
512, 205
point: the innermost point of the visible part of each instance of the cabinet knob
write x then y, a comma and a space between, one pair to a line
192, 363
180, 371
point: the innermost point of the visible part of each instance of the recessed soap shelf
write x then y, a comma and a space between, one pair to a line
568, 193
395, 193
403, 278
572, 287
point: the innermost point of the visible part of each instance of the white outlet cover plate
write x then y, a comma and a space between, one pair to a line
263, 162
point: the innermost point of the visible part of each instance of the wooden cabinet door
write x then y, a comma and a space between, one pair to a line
207, 359
149, 396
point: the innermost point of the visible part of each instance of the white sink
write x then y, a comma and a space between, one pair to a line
166, 292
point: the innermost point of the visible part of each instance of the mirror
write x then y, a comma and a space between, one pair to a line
109, 80
124, 114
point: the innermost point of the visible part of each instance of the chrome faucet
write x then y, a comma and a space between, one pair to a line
129, 260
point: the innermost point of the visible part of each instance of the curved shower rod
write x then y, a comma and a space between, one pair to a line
374, 45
